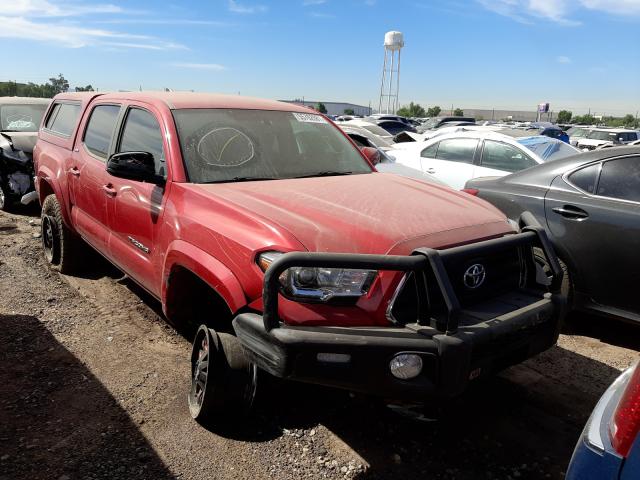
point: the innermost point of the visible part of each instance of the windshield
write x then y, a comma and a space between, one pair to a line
577, 132
430, 123
21, 118
234, 145
548, 150
602, 135
381, 132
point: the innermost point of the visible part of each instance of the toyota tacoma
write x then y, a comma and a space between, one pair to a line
261, 227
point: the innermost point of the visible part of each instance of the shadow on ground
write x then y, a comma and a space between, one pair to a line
56, 419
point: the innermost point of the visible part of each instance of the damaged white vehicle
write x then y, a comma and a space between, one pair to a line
20, 119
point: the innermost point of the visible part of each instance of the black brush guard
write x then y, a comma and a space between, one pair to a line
452, 352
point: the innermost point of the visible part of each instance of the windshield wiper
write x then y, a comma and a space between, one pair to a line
243, 179
327, 173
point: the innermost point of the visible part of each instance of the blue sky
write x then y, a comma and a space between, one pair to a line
576, 54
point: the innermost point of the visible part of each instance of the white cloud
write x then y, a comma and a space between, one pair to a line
557, 11
200, 66
321, 15
563, 59
164, 21
236, 7
44, 8
48, 21
618, 7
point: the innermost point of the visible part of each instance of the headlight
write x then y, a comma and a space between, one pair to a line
318, 283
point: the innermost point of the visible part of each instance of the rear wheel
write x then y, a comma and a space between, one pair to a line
61, 246
223, 380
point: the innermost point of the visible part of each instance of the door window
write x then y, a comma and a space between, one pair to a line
500, 156
620, 179
457, 150
63, 118
585, 178
97, 136
141, 133
430, 151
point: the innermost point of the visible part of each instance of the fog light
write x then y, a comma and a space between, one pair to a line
405, 366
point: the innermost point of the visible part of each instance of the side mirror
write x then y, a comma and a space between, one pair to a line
139, 166
372, 154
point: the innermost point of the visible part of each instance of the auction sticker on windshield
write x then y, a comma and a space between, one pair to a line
308, 117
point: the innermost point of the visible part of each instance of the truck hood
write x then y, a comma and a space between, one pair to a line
368, 213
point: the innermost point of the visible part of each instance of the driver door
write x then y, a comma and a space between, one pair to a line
135, 211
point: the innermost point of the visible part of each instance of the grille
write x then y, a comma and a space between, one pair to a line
504, 271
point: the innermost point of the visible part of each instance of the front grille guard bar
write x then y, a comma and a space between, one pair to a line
531, 233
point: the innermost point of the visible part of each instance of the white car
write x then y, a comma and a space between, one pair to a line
577, 133
458, 157
372, 127
365, 138
600, 136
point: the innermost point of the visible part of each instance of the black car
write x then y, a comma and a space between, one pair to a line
590, 207
392, 126
19, 122
437, 122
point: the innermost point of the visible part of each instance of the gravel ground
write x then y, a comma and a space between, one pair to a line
93, 386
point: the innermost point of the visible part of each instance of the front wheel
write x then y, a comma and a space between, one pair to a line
223, 380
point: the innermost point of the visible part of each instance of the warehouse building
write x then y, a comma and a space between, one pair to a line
334, 108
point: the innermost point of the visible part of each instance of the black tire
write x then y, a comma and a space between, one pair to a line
223, 380
566, 288
62, 248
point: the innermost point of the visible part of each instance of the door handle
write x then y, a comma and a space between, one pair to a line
571, 212
431, 171
75, 172
109, 190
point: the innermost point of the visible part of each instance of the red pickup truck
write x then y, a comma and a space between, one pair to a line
262, 224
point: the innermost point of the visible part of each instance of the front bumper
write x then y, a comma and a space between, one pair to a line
468, 344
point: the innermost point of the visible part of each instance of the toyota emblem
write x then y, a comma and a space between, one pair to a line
474, 276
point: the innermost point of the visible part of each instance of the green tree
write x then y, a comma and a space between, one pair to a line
321, 108
59, 84
433, 111
88, 88
587, 119
349, 111
564, 116
412, 110
458, 112
629, 121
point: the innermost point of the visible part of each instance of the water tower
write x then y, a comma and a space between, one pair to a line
393, 43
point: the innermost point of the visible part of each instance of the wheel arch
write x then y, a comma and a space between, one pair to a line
45, 186
188, 268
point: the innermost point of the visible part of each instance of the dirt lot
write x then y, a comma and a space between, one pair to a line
93, 385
